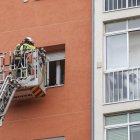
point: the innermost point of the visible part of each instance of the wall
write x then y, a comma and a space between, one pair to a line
65, 111
100, 108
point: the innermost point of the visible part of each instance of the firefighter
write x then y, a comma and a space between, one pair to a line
42, 54
21, 53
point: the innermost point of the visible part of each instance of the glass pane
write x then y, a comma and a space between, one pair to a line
120, 86
135, 116
117, 134
135, 132
116, 26
134, 2
125, 78
124, 3
107, 88
115, 4
135, 23
116, 51
119, 4
106, 5
116, 119
138, 2
134, 49
110, 4
129, 3
116, 86
133, 84
111, 88
138, 83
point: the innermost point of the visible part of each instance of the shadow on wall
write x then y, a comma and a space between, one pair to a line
28, 103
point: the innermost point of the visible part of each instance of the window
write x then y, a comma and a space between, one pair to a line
120, 4
116, 51
124, 126
122, 76
55, 74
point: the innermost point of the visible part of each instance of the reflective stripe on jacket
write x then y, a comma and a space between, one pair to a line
25, 47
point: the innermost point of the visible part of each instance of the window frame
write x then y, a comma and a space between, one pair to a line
47, 72
118, 9
125, 31
122, 125
118, 33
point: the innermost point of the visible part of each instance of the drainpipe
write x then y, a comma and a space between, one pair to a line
92, 94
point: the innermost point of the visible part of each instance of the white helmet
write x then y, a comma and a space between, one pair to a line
28, 39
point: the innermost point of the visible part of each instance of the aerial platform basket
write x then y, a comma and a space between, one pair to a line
26, 73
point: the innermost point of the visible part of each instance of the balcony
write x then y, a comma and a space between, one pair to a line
122, 85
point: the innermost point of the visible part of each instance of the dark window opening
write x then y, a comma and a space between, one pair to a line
56, 73
52, 73
62, 65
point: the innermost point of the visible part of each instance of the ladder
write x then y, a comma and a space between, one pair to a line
7, 91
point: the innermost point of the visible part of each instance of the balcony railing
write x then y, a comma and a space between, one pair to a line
122, 85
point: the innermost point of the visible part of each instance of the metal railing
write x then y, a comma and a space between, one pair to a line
25, 65
122, 85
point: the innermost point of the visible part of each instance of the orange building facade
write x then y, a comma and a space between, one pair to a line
65, 111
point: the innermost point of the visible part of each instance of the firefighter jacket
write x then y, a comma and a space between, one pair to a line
22, 49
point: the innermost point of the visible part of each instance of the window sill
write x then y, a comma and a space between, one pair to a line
126, 101
54, 86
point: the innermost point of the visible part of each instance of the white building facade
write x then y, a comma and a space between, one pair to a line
117, 70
